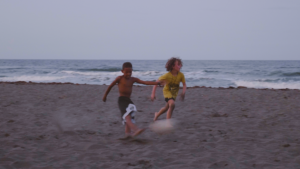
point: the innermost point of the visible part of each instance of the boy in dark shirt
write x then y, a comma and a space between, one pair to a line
126, 106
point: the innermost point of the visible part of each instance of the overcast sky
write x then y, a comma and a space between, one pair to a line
153, 29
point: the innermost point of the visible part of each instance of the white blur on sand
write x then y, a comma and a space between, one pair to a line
163, 126
68, 126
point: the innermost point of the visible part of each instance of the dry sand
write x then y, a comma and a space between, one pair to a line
68, 126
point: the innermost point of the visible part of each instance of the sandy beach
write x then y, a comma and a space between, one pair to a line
69, 126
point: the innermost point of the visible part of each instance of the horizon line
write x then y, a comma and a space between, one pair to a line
167, 59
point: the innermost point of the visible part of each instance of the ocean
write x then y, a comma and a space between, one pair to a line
209, 73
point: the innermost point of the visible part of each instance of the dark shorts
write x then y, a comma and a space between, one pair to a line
126, 107
167, 99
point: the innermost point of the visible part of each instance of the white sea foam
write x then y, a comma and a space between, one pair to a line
195, 74
92, 73
31, 78
278, 85
147, 73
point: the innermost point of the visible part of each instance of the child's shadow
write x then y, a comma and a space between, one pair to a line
141, 141
135, 140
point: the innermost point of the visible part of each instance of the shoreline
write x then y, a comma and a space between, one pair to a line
63, 83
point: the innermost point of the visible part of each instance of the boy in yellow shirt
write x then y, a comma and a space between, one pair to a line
172, 80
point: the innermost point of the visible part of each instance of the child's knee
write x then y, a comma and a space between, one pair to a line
172, 105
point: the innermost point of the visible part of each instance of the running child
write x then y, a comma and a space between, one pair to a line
171, 88
126, 106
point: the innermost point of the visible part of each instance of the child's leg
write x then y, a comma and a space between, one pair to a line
161, 111
133, 127
127, 133
171, 105
127, 130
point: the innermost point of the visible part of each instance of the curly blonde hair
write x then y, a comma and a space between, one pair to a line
171, 62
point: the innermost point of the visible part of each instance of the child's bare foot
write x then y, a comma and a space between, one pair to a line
138, 132
155, 116
127, 136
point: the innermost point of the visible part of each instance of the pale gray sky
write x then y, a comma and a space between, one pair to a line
154, 29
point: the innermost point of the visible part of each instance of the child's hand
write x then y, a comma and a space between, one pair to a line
104, 98
182, 96
152, 97
162, 83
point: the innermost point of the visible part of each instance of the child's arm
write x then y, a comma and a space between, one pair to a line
147, 82
110, 86
183, 90
153, 92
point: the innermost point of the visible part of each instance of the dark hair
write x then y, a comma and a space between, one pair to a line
126, 65
171, 63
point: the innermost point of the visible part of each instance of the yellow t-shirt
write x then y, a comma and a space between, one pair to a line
172, 84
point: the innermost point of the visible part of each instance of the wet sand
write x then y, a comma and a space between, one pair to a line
68, 126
